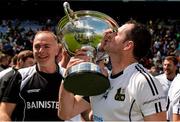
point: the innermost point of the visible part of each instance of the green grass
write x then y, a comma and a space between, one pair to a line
73, 44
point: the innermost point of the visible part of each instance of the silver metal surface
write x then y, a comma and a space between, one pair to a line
84, 27
83, 67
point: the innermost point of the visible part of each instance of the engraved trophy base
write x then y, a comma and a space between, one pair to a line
85, 79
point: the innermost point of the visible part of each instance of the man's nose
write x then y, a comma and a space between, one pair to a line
41, 49
166, 67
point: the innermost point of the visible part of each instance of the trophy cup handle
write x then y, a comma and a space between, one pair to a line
69, 12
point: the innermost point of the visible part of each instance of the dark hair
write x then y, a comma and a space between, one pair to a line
172, 58
14, 59
3, 57
142, 39
23, 55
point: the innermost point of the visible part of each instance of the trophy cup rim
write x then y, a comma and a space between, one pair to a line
62, 22
83, 13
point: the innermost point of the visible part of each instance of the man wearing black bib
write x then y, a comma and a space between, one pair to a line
35, 89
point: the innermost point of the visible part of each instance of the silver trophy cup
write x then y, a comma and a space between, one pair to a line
84, 29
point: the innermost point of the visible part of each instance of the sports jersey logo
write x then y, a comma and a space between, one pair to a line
42, 104
33, 90
120, 95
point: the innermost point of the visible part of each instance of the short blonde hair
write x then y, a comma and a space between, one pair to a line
48, 32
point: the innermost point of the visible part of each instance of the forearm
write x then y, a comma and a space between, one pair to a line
156, 117
70, 105
4, 117
176, 117
66, 103
6, 110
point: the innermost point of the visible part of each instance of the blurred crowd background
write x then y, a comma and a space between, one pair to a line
16, 32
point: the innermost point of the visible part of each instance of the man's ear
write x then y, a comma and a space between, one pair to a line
59, 50
128, 45
20, 63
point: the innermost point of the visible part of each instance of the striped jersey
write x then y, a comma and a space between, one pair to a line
2, 73
35, 93
5, 77
174, 98
133, 94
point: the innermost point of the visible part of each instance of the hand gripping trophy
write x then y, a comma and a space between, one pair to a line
84, 29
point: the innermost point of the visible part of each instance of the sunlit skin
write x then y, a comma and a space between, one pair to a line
169, 69
124, 49
45, 49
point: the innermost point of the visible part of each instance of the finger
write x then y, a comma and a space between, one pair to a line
81, 53
74, 61
104, 71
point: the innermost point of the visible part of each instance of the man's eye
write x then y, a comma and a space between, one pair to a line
37, 46
46, 46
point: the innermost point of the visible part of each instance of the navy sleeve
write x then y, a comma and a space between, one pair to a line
11, 93
4, 81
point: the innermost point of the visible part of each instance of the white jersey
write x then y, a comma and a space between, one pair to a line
76, 118
164, 82
132, 95
2, 73
174, 98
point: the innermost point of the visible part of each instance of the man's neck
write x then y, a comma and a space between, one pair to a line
47, 69
118, 66
171, 77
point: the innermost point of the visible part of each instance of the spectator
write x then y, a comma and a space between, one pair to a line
153, 70
174, 100
170, 72
4, 61
22, 60
167, 78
